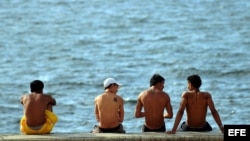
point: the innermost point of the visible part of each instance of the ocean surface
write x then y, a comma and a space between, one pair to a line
73, 45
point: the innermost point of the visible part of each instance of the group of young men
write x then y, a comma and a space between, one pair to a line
151, 104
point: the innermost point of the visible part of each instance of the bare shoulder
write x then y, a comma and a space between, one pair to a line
165, 94
143, 93
206, 94
22, 98
98, 97
119, 97
185, 94
47, 95
24, 95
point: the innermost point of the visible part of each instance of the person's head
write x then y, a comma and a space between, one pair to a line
109, 82
36, 86
155, 79
194, 80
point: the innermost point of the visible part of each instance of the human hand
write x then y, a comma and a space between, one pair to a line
171, 132
222, 129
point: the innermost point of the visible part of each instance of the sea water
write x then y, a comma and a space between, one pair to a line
73, 45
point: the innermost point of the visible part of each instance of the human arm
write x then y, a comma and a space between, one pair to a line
139, 105
96, 112
121, 111
52, 101
169, 109
179, 114
215, 113
21, 99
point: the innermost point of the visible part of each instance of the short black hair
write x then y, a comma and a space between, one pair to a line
195, 80
36, 86
156, 78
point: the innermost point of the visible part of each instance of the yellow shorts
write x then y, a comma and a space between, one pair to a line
46, 128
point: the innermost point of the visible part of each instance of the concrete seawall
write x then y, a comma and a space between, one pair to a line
179, 136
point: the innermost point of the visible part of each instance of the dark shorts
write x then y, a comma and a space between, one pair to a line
206, 127
161, 129
118, 129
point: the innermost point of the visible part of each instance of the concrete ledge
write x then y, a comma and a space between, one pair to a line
179, 136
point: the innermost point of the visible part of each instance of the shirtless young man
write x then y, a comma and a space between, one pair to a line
196, 102
109, 109
38, 117
154, 100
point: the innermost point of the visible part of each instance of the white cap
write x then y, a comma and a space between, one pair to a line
109, 81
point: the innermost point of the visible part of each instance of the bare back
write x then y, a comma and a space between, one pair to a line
109, 110
154, 103
35, 106
196, 107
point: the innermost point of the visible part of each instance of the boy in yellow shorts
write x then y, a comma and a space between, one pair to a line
38, 116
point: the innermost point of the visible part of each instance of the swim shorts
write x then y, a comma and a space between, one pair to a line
46, 128
118, 129
161, 129
206, 127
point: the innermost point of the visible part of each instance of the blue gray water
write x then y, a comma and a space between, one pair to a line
73, 45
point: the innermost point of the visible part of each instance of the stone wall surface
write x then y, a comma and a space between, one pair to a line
152, 136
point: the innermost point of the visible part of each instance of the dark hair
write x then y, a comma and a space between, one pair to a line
36, 86
109, 86
156, 78
195, 80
